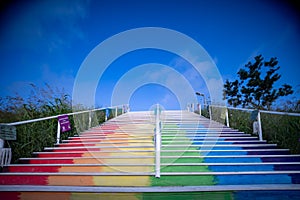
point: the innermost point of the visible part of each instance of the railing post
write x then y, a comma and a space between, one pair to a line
90, 119
127, 108
106, 113
259, 127
116, 111
58, 133
1, 143
1, 152
5, 156
227, 117
209, 110
199, 108
157, 142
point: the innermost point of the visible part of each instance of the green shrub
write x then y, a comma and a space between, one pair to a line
240, 120
42, 102
282, 130
204, 112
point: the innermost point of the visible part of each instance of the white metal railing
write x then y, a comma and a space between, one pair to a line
259, 124
157, 141
5, 156
124, 108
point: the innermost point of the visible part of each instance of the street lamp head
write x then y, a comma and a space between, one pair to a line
199, 94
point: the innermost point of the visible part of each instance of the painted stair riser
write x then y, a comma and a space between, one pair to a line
199, 138
183, 158
171, 142
282, 152
174, 168
79, 169
164, 140
182, 147
90, 161
229, 195
208, 153
129, 148
75, 180
232, 153
143, 180
165, 135
106, 143
251, 167
214, 147
91, 154
208, 142
249, 159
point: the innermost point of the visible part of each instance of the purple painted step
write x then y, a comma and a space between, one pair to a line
281, 159
262, 152
295, 178
261, 147
283, 167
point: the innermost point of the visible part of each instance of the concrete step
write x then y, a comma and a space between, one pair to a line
165, 159
163, 152
169, 141
220, 145
99, 147
154, 189
165, 167
192, 135
78, 139
140, 137
88, 178
151, 146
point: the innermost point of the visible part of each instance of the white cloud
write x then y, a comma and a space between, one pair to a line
216, 91
204, 76
167, 98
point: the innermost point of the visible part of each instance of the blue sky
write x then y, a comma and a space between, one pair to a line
47, 41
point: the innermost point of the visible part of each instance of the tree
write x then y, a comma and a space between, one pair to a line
255, 87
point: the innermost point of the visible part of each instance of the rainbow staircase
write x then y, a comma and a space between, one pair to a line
200, 159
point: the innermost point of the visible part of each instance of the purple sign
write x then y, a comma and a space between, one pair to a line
64, 122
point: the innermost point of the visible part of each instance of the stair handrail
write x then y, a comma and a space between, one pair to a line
125, 108
260, 134
73, 113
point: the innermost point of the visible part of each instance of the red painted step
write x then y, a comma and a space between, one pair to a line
32, 169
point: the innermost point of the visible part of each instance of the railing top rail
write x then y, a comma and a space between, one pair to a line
281, 113
55, 116
262, 111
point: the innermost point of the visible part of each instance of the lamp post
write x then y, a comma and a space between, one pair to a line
201, 94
